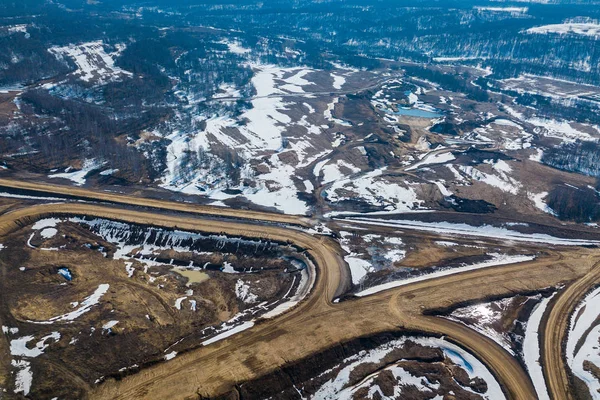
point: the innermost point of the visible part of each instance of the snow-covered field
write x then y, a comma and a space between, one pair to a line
263, 134
531, 349
390, 249
555, 88
488, 231
374, 189
94, 64
574, 28
499, 178
582, 320
564, 130
78, 176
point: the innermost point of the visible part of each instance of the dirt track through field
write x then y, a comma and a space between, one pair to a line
557, 323
317, 324
95, 195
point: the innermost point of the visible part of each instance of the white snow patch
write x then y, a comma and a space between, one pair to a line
231, 332
129, 269
24, 377
308, 186
48, 233
85, 306
338, 81
438, 158
109, 325
235, 47
359, 268
45, 223
178, 302
444, 228
497, 260
538, 201
573, 28
228, 268
328, 114
531, 348
242, 291
310, 108
18, 347
92, 61
107, 172
8, 330
78, 177
511, 10
537, 156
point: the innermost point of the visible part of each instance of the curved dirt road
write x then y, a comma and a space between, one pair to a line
316, 323
312, 326
318, 248
557, 323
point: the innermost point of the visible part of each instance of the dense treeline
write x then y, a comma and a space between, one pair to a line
395, 31
452, 82
178, 57
358, 33
575, 204
581, 156
571, 109
25, 59
81, 130
574, 110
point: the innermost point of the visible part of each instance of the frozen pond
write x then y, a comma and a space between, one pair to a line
415, 112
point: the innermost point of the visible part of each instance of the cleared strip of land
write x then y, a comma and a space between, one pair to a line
96, 195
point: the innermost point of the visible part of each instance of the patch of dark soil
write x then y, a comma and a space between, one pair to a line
467, 205
445, 128
477, 156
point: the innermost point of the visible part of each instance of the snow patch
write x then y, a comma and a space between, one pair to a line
443, 228
497, 260
85, 306
92, 61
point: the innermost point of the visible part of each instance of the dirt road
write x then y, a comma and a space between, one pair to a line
97, 195
316, 324
557, 323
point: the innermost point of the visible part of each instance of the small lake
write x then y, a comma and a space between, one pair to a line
65, 273
193, 276
458, 359
415, 112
